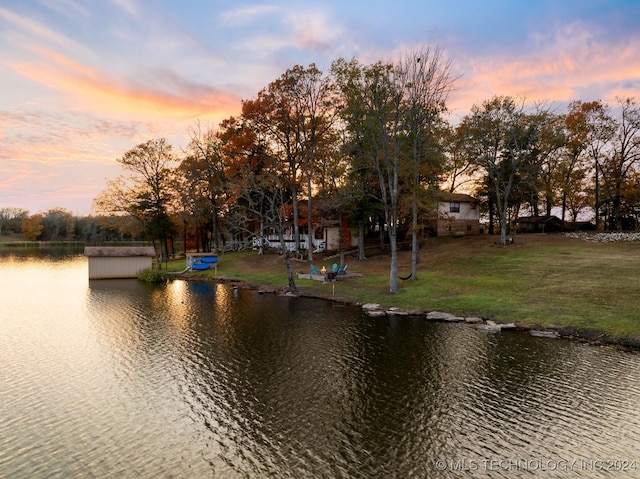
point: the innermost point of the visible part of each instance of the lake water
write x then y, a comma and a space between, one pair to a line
121, 379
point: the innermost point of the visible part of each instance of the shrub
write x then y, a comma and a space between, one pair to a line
151, 275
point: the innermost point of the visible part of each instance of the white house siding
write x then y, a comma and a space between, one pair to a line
467, 220
332, 238
118, 262
117, 267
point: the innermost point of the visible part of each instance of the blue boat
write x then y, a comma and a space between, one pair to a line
209, 259
199, 266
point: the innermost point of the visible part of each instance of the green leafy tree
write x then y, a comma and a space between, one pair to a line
505, 141
390, 112
371, 110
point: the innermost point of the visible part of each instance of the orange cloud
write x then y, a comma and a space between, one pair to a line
87, 87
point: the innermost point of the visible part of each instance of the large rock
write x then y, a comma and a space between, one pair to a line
394, 310
368, 306
490, 328
544, 334
473, 320
440, 316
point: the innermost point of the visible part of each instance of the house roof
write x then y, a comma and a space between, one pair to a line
119, 251
455, 197
539, 219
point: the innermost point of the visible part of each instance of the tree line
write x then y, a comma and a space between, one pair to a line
372, 143
60, 224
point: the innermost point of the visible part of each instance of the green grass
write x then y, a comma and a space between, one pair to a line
587, 286
541, 281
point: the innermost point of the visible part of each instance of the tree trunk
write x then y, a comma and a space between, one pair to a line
309, 226
503, 228
415, 247
415, 251
596, 206
341, 239
491, 216
394, 286
287, 260
296, 219
361, 236
617, 215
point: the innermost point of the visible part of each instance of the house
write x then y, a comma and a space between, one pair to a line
325, 237
331, 231
539, 224
322, 234
110, 262
456, 214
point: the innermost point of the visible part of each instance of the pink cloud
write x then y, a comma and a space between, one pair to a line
573, 64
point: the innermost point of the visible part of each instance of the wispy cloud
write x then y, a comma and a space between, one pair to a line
31, 28
250, 14
575, 63
308, 28
162, 92
129, 6
68, 8
314, 30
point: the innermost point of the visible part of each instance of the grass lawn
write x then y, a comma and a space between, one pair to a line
542, 280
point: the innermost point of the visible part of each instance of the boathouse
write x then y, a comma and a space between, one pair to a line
110, 262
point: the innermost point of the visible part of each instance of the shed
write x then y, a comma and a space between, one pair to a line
539, 224
331, 231
110, 262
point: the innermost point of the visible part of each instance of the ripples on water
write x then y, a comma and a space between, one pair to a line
122, 379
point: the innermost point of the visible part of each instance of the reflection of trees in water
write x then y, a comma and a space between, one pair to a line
273, 385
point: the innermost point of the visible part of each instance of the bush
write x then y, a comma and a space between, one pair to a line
151, 275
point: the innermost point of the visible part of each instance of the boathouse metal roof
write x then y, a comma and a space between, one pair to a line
119, 251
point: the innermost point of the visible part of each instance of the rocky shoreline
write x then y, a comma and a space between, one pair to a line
483, 324
613, 237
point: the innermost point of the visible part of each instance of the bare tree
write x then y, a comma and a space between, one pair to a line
426, 80
623, 156
145, 192
204, 164
10, 215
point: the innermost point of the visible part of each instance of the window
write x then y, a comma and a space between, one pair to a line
454, 207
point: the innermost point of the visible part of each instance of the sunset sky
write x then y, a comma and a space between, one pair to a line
83, 81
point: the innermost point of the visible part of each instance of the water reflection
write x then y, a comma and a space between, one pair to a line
119, 378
